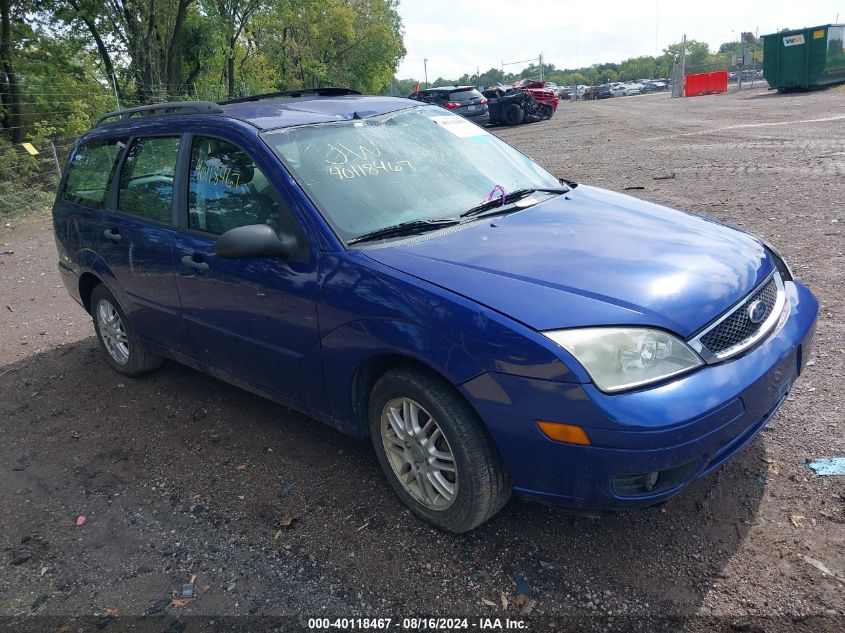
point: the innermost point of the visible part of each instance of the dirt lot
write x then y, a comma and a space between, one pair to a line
178, 474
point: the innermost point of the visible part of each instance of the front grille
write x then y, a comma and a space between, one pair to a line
738, 328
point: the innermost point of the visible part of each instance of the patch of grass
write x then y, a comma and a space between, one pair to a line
17, 200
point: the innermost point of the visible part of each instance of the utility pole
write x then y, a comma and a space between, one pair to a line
684, 66
541, 67
577, 66
656, 24
425, 70
742, 57
754, 56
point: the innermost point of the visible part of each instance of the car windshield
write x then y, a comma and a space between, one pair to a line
419, 163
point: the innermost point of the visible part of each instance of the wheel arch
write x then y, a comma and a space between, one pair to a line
87, 282
358, 353
367, 374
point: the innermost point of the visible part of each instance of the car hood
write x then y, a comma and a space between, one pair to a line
590, 257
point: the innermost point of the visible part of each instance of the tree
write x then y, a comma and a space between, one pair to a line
730, 47
147, 32
355, 43
697, 54
10, 85
233, 16
642, 67
76, 12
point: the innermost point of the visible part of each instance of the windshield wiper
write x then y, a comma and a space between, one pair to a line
513, 196
412, 227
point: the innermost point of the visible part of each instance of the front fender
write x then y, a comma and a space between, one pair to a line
347, 348
367, 309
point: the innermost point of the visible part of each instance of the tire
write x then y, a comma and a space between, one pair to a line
480, 486
513, 114
122, 348
546, 111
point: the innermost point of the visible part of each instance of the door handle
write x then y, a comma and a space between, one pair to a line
112, 234
190, 262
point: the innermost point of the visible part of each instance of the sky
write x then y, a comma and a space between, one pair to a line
458, 36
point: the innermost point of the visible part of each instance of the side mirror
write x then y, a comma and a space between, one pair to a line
254, 240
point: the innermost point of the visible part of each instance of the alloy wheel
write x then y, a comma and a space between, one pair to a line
112, 332
419, 453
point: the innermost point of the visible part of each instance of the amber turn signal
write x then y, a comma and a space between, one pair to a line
560, 432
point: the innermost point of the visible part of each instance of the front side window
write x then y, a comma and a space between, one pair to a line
228, 190
420, 163
146, 179
90, 172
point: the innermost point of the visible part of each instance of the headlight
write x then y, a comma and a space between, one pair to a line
780, 263
619, 358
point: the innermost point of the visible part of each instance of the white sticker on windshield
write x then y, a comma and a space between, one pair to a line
459, 126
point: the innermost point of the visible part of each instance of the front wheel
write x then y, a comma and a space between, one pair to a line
124, 351
435, 451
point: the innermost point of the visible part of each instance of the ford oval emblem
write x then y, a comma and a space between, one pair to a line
756, 311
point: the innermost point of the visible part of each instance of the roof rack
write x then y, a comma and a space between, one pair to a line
172, 107
320, 92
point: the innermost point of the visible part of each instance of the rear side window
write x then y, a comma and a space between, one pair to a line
90, 172
146, 180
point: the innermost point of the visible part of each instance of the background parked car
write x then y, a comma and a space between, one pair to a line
511, 106
563, 92
464, 100
603, 91
653, 86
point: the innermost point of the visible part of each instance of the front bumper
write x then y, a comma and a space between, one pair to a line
687, 427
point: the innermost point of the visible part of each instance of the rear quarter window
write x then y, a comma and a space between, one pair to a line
90, 172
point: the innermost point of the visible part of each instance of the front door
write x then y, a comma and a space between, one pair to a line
252, 320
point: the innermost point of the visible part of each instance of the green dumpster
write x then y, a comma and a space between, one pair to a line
806, 58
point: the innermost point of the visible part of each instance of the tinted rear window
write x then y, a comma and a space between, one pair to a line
90, 172
464, 95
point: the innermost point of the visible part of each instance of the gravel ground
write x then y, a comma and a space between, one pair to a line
179, 474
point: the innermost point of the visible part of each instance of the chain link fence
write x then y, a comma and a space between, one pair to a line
53, 118
30, 174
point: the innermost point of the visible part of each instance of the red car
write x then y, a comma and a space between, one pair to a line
546, 98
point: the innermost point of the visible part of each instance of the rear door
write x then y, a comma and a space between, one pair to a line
78, 210
252, 320
137, 239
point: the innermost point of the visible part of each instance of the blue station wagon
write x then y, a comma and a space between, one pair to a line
396, 271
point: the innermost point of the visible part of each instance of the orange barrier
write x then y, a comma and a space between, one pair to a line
706, 83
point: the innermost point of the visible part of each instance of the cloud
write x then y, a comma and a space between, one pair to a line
456, 36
